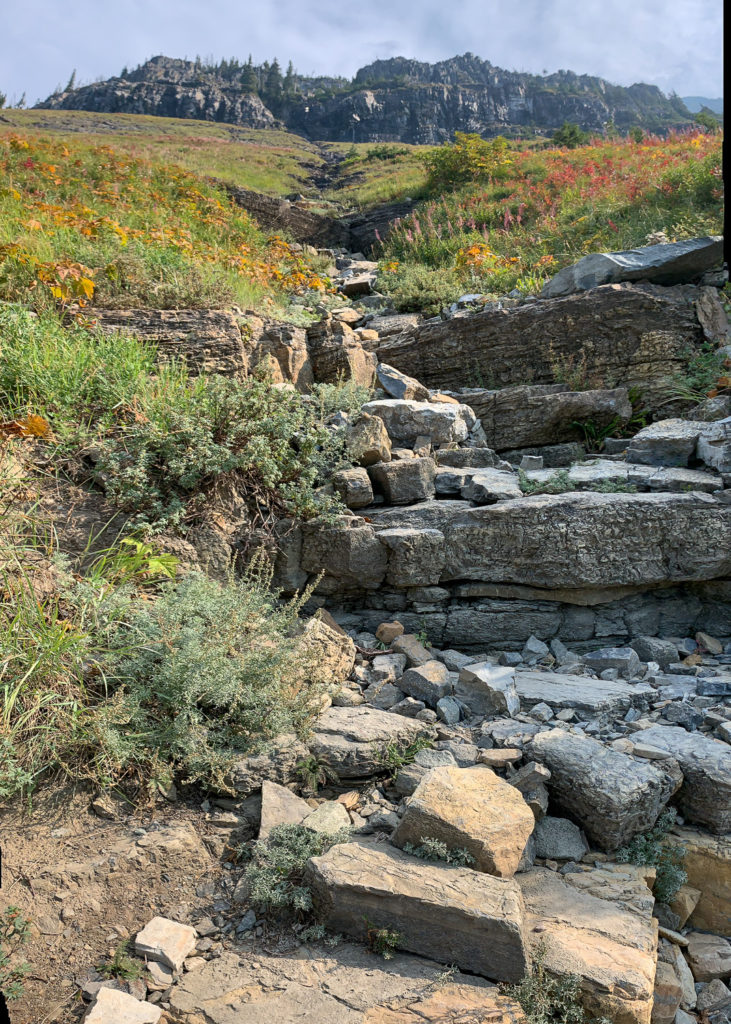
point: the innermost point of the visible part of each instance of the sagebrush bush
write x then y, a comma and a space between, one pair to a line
434, 849
547, 999
274, 876
651, 848
164, 440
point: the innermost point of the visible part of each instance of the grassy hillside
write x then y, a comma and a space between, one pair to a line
526, 214
88, 223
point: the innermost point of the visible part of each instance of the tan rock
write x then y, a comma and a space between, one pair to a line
331, 654
114, 1007
279, 806
668, 993
709, 956
388, 631
473, 809
499, 758
611, 949
453, 1004
411, 646
328, 818
685, 977
368, 441
451, 914
708, 865
166, 941
684, 902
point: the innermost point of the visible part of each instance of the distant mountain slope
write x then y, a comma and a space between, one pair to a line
694, 103
396, 100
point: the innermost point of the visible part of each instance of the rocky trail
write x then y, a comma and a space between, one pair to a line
526, 617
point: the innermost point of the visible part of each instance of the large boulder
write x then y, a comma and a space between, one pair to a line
612, 796
705, 796
348, 551
487, 689
667, 263
404, 482
612, 949
665, 443
471, 809
451, 914
280, 349
352, 741
398, 385
624, 333
714, 446
337, 354
368, 441
407, 420
518, 417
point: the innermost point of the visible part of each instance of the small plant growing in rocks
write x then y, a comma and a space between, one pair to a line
546, 999
383, 941
394, 756
434, 849
557, 483
651, 849
275, 873
313, 773
121, 965
14, 933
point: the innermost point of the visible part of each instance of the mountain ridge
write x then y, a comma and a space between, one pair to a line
393, 100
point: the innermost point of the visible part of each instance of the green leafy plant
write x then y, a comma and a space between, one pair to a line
468, 158
569, 135
651, 848
706, 366
134, 560
383, 941
313, 773
594, 433
275, 873
14, 933
434, 849
121, 965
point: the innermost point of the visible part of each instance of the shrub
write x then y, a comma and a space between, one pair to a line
14, 933
121, 965
569, 135
383, 941
395, 755
546, 999
417, 288
205, 672
557, 483
468, 158
652, 849
163, 440
433, 849
275, 874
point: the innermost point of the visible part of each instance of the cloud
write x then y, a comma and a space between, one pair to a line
675, 45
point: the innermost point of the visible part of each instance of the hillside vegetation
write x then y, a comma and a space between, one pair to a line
501, 218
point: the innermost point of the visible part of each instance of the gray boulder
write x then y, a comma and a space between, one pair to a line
665, 443
487, 486
398, 385
487, 689
559, 839
351, 741
404, 482
624, 659
613, 796
592, 696
407, 420
705, 796
429, 682
353, 486
714, 446
665, 264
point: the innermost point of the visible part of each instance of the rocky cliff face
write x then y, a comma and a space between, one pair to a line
394, 100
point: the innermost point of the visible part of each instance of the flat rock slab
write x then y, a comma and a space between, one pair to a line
471, 809
114, 1007
612, 950
667, 263
705, 796
612, 796
165, 941
452, 914
351, 740
594, 696
347, 985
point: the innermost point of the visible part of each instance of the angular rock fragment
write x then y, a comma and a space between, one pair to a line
114, 1007
354, 487
407, 420
559, 839
486, 486
665, 443
488, 689
471, 809
165, 941
451, 914
368, 441
280, 806
613, 796
707, 861
398, 385
415, 558
593, 696
404, 482
428, 682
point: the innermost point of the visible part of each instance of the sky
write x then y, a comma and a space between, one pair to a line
674, 44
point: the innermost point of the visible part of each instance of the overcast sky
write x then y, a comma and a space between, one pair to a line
675, 44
